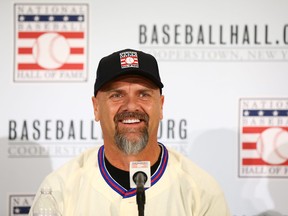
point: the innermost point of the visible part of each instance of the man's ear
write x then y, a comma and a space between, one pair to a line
95, 108
162, 103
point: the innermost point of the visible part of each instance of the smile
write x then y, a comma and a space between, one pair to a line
130, 121
130, 118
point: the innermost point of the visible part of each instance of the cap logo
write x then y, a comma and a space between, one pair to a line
129, 60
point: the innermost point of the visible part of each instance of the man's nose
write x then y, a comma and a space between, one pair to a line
131, 103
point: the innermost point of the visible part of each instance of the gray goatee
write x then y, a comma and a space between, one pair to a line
131, 146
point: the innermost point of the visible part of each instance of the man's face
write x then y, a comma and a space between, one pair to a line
129, 110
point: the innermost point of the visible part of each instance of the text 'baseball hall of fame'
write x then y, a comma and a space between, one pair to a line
263, 143
50, 42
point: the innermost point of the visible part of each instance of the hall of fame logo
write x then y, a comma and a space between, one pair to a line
19, 205
263, 133
50, 42
129, 59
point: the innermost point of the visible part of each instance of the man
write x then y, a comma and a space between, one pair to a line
128, 103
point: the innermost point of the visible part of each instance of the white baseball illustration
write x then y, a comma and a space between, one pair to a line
272, 145
282, 144
51, 50
129, 60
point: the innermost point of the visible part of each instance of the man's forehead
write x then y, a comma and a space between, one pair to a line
128, 79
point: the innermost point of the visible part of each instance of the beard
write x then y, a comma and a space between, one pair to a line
135, 145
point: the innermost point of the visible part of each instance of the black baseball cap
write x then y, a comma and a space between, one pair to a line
127, 62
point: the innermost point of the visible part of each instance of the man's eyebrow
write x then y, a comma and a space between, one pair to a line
110, 90
146, 90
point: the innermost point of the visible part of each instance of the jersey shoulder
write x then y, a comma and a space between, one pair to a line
75, 167
193, 173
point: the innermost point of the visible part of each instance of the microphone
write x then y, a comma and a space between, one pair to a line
140, 179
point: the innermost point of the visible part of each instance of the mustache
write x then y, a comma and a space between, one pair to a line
138, 115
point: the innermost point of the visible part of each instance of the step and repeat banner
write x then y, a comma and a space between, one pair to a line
224, 65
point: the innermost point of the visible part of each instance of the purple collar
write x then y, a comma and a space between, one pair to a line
132, 192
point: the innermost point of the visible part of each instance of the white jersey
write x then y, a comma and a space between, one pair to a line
83, 187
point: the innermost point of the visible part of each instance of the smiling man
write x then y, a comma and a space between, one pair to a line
129, 110
128, 103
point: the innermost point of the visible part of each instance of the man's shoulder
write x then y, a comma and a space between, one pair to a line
192, 172
86, 160
202, 185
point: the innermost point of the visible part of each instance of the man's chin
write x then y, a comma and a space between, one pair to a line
132, 135
133, 139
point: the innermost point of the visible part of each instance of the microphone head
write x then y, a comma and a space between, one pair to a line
140, 177
140, 173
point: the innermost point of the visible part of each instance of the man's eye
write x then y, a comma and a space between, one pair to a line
143, 95
116, 95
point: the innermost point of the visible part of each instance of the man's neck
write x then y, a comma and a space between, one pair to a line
122, 177
122, 161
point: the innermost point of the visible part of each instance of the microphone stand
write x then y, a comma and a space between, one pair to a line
140, 178
140, 198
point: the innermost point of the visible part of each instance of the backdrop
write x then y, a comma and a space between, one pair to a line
223, 64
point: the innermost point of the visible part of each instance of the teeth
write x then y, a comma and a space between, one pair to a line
131, 121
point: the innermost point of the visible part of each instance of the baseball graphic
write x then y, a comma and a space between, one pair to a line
272, 145
51, 50
281, 144
129, 60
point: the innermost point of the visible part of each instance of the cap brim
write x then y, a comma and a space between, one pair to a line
142, 73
